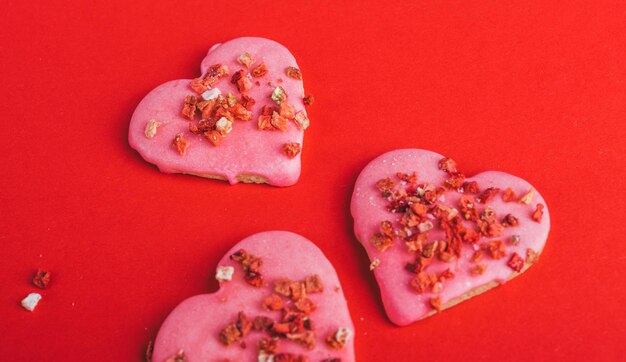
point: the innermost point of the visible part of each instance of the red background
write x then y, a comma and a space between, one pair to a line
536, 89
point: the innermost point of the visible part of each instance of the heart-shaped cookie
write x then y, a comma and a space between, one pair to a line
279, 300
241, 120
436, 238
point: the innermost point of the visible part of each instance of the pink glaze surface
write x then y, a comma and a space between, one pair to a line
402, 303
246, 150
194, 325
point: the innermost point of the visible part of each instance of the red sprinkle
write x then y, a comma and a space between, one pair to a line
181, 144
496, 249
247, 101
488, 194
41, 279
273, 302
446, 275
447, 165
470, 187
308, 99
510, 220
251, 267
516, 262
189, 108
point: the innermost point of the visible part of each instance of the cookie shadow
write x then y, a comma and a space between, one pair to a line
358, 251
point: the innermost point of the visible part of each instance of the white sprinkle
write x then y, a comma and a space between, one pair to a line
343, 335
374, 264
30, 302
211, 94
151, 128
264, 357
302, 121
526, 199
425, 226
224, 126
224, 273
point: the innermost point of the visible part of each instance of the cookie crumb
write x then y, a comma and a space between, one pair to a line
30, 302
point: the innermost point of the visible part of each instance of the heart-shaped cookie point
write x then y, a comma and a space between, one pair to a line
279, 300
436, 238
241, 120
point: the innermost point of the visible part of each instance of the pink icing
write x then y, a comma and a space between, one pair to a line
194, 325
244, 151
402, 303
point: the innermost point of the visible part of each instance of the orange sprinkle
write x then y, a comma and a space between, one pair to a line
265, 123
508, 195
478, 269
286, 110
259, 71
215, 137
538, 214
293, 72
435, 303
279, 122
292, 149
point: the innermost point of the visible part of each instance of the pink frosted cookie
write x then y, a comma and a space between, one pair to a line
242, 120
279, 300
436, 238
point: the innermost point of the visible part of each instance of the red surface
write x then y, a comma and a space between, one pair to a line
537, 90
